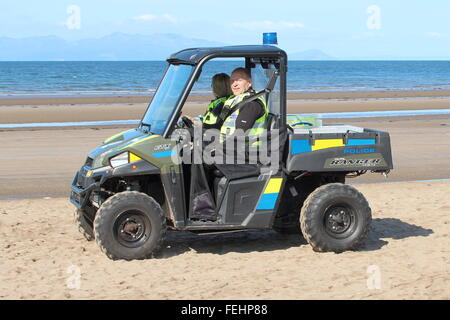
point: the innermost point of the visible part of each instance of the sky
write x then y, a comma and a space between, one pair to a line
343, 29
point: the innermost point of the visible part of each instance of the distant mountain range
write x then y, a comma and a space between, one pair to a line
117, 46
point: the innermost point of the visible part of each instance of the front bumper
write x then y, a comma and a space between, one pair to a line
80, 192
80, 197
84, 184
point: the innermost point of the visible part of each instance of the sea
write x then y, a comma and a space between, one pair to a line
136, 78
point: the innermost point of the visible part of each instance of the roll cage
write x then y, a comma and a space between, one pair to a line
264, 55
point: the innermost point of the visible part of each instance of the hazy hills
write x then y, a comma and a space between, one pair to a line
117, 46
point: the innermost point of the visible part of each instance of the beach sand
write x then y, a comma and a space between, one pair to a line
52, 100
405, 257
102, 109
30, 157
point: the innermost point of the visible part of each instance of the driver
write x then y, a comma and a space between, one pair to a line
252, 116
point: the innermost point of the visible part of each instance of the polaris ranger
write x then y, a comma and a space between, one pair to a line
130, 190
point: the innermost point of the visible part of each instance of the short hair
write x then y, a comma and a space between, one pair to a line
245, 71
221, 85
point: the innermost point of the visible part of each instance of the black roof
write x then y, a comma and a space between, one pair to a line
195, 55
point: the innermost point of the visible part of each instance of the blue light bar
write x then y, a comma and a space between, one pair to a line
270, 38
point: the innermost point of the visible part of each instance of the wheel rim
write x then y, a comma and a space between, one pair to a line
132, 228
339, 220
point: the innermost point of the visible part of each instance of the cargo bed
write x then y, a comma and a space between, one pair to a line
338, 148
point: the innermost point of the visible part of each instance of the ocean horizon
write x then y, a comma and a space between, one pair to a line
141, 78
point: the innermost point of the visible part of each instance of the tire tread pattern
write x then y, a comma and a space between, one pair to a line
108, 206
84, 226
311, 231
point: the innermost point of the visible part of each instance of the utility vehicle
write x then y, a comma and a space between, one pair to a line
130, 191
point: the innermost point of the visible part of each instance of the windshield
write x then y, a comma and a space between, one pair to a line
165, 100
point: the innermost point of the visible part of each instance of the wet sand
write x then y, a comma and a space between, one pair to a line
42, 162
52, 100
69, 109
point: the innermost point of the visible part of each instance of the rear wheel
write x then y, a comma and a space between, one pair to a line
130, 225
335, 217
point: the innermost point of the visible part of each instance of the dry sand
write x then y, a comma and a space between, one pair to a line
405, 257
41, 250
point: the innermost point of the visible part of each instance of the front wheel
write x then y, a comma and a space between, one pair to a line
130, 225
335, 217
83, 220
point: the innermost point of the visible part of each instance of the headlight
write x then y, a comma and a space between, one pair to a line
95, 171
120, 159
123, 158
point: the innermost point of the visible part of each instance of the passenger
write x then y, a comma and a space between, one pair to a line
220, 85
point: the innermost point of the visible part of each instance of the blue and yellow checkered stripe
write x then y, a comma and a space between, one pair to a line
302, 146
270, 194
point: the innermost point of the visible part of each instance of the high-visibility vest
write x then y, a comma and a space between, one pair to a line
229, 125
209, 117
